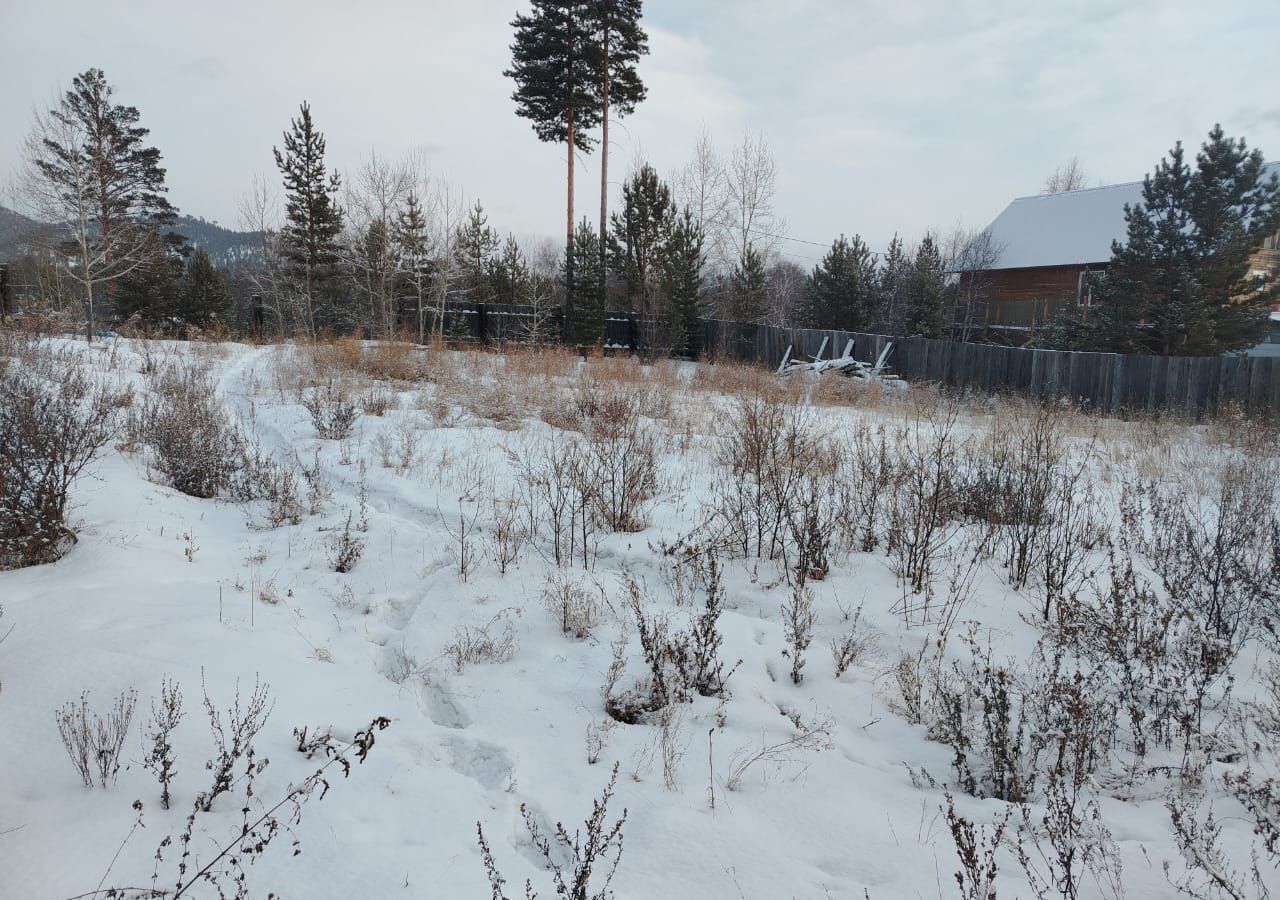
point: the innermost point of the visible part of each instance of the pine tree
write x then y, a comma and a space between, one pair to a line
620, 42
309, 238
206, 296
924, 292
509, 274
890, 315
409, 237
682, 275
1180, 283
840, 293
555, 67
584, 310
90, 172
473, 250
151, 293
639, 238
746, 288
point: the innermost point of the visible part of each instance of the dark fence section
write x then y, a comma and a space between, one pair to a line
1110, 382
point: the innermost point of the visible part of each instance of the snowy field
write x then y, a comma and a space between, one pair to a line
917, 541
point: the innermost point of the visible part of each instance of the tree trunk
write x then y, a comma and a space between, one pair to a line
604, 167
568, 240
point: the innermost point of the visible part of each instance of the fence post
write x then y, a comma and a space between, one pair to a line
6, 294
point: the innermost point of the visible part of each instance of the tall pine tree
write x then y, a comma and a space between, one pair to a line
747, 287
554, 64
474, 248
90, 172
309, 238
409, 237
620, 42
639, 236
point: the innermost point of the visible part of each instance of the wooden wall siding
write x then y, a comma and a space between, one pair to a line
1110, 382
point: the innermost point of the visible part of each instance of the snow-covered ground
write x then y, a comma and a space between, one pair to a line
206, 592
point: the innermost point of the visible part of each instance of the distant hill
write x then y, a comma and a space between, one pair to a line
13, 226
226, 247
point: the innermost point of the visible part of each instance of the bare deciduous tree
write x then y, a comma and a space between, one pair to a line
375, 194
969, 254
750, 184
1070, 176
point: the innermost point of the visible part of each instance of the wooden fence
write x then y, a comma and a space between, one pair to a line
1110, 382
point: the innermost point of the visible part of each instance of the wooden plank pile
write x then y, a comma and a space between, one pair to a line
843, 364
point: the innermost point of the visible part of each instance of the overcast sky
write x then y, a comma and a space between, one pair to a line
883, 116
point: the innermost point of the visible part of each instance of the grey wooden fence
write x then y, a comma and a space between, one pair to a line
1111, 382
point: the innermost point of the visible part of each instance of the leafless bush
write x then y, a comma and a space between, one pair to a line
377, 401
224, 869
852, 646
51, 429
158, 737
1216, 551
332, 409
797, 622
507, 534
240, 728
620, 462
600, 851
867, 488
558, 497
345, 548
463, 543
482, 643
94, 742
1207, 872
976, 847
195, 446
927, 496
1057, 846
577, 609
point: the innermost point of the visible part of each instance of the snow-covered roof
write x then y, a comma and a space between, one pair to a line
1070, 228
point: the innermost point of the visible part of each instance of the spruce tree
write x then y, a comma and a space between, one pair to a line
683, 262
206, 296
1180, 283
474, 247
554, 64
151, 293
924, 292
309, 238
840, 293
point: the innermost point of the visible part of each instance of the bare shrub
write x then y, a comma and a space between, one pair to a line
1066, 840
224, 869
926, 499
1216, 551
93, 741
332, 409
976, 847
600, 851
195, 446
51, 429
620, 461
558, 498
577, 609
158, 737
866, 488
378, 401
507, 534
797, 622
345, 548
482, 643
848, 649
233, 738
